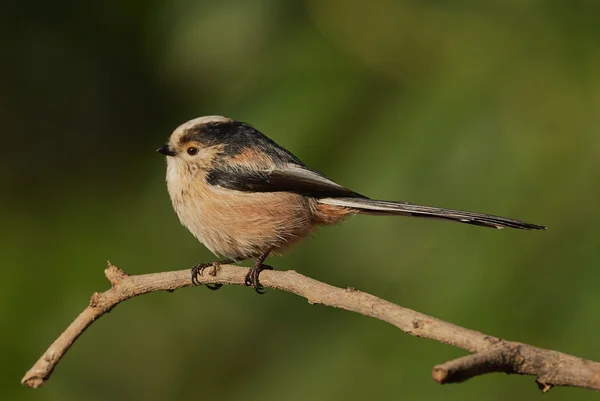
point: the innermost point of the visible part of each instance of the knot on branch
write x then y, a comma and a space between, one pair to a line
114, 274
545, 387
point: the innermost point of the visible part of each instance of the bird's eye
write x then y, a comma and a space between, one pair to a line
192, 150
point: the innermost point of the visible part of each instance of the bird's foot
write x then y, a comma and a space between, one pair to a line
198, 270
252, 280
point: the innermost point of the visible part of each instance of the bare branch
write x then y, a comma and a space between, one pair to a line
489, 354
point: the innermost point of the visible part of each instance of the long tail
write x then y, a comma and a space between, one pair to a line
371, 206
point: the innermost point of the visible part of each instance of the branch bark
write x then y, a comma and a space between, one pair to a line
488, 353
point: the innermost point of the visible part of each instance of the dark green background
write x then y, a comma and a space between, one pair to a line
491, 106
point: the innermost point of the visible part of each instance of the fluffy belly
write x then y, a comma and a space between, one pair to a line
242, 225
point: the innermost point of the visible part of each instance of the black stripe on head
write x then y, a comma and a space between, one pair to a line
235, 136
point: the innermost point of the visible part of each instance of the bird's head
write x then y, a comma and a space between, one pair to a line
194, 145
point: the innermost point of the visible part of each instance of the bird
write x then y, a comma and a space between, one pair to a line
245, 197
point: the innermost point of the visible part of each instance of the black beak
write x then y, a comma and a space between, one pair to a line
165, 150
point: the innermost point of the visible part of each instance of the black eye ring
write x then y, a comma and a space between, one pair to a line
192, 150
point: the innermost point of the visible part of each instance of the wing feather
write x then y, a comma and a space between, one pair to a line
286, 178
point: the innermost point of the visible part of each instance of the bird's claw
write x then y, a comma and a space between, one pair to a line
214, 287
251, 279
198, 270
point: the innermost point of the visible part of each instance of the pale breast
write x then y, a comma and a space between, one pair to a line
239, 224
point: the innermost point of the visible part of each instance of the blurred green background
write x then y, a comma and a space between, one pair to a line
491, 106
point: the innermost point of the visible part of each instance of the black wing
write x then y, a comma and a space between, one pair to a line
289, 177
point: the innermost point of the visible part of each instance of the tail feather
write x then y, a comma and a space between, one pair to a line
371, 206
